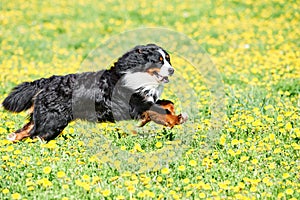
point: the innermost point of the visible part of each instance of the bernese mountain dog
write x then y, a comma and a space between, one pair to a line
128, 90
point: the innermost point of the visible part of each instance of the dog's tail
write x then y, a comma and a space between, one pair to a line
21, 97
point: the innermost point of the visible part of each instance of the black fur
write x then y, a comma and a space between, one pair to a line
94, 96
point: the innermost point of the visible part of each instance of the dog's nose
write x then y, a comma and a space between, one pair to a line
171, 71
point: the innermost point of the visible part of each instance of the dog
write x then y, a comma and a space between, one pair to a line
128, 90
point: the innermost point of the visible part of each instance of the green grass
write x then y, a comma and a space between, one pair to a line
253, 155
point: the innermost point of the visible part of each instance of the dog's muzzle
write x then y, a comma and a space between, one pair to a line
162, 78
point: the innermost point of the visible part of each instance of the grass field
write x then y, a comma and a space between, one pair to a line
254, 155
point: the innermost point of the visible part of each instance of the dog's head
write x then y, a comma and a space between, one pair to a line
146, 61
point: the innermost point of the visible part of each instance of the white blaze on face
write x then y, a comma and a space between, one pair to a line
164, 70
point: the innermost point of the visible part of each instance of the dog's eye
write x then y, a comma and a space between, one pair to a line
160, 58
167, 57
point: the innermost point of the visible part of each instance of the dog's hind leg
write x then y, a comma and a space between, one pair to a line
52, 113
21, 133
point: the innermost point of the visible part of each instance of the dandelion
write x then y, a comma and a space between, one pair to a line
30, 188
120, 197
5, 158
181, 168
64, 186
192, 163
47, 170
202, 195
280, 195
272, 166
5, 191
17, 152
60, 174
16, 196
272, 136
253, 189
158, 145
106, 192
244, 158
234, 142
159, 179
131, 189
289, 191
222, 139
86, 177
285, 175
165, 170
186, 180
254, 161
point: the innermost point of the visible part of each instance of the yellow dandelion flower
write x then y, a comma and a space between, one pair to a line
16, 196
120, 197
192, 163
286, 175
165, 170
5, 191
141, 194
234, 142
272, 136
289, 191
5, 158
60, 174
131, 189
186, 180
206, 186
244, 158
288, 126
123, 148
202, 195
254, 161
17, 152
158, 145
159, 179
269, 107
249, 119
277, 150
279, 118
65, 186
85, 177
10, 148
106, 192
280, 195
181, 168
253, 189
47, 170
272, 165
222, 139
30, 188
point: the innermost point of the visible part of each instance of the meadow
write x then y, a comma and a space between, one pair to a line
254, 46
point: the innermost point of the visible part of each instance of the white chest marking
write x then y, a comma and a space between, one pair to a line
145, 84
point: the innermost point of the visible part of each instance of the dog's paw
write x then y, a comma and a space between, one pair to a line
12, 137
183, 117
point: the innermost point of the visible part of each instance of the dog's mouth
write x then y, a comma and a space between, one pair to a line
162, 79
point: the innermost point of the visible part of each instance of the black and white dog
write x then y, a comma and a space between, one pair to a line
123, 92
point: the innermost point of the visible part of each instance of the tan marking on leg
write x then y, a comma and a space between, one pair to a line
21, 133
30, 110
